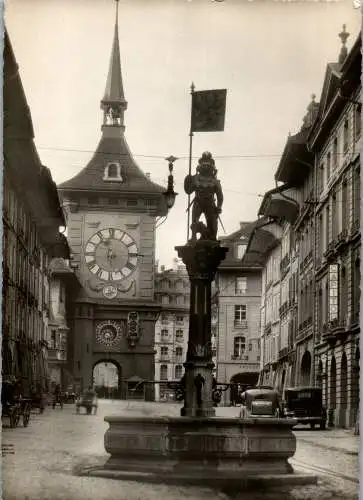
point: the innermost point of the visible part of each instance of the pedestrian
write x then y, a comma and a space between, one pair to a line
356, 427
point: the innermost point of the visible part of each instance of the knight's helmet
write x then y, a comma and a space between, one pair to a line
206, 164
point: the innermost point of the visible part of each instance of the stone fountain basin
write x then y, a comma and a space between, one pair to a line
225, 453
204, 448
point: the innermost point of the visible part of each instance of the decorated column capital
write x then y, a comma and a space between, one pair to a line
202, 258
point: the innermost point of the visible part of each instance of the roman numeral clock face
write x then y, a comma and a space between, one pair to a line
111, 255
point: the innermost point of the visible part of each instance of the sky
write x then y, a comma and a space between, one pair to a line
270, 55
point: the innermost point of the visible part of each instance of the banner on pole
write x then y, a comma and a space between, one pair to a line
208, 110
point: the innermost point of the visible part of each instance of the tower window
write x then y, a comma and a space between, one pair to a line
113, 172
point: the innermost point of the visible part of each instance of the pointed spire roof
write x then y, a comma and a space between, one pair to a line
114, 92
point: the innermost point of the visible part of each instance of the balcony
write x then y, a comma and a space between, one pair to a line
284, 307
284, 263
329, 252
241, 323
332, 330
283, 352
239, 357
306, 260
341, 239
165, 339
268, 327
164, 358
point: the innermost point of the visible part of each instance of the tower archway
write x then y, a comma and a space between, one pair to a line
106, 378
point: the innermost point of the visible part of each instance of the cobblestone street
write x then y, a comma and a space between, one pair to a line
41, 461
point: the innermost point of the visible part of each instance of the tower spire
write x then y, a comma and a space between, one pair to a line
114, 103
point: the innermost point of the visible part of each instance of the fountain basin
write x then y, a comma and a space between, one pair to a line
222, 452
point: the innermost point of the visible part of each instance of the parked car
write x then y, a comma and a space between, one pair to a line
87, 400
305, 404
261, 401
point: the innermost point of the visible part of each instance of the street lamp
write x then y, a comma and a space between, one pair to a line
170, 194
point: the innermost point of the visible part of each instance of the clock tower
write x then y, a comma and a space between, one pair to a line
111, 207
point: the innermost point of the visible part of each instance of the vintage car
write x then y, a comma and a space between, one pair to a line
87, 400
260, 401
305, 404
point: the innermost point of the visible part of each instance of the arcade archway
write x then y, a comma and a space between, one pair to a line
333, 384
355, 386
106, 376
305, 369
343, 390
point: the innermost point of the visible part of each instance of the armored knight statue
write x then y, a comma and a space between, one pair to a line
208, 198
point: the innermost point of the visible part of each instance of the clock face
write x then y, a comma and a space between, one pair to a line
111, 254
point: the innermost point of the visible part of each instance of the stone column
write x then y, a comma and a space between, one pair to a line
202, 258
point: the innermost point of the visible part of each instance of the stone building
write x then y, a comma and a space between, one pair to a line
318, 212
237, 303
111, 207
335, 141
62, 287
172, 291
32, 216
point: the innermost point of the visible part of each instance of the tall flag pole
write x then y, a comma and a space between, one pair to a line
208, 115
192, 88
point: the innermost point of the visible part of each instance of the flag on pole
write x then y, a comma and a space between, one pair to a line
208, 110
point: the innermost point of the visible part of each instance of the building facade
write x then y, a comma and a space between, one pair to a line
318, 211
335, 140
111, 207
63, 287
32, 216
172, 290
237, 306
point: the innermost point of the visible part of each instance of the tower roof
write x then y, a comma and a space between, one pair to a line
112, 148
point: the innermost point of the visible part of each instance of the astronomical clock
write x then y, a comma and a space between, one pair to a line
108, 333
